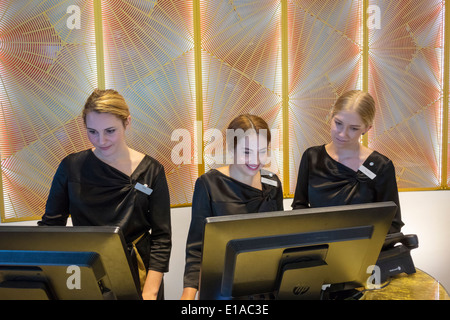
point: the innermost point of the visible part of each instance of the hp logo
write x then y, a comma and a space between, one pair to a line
300, 290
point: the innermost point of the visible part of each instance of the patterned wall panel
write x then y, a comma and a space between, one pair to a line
47, 68
149, 59
405, 67
324, 61
241, 66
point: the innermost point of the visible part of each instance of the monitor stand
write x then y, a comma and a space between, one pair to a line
301, 280
300, 274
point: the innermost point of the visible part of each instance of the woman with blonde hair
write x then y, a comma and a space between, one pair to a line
112, 184
344, 171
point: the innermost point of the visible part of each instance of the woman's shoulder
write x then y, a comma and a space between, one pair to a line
209, 183
145, 158
149, 166
314, 150
380, 158
73, 163
213, 175
314, 153
77, 157
216, 177
379, 164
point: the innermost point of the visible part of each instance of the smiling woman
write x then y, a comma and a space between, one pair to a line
107, 117
238, 188
247, 146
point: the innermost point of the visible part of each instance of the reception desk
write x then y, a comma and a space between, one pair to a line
416, 286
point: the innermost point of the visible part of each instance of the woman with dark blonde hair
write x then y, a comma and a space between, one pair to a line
240, 187
344, 171
112, 184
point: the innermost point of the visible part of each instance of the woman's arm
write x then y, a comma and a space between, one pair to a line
152, 285
159, 216
57, 206
201, 208
301, 198
387, 190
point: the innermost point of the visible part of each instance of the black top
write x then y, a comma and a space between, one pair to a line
94, 193
216, 194
323, 181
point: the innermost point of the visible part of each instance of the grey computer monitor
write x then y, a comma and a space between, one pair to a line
292, 254
65, 263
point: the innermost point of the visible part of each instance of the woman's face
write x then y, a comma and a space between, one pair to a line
347, 128
250, 154
106, 132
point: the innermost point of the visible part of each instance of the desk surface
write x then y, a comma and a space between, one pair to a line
416, 286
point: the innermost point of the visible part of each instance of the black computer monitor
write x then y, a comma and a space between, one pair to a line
292, 254
73, 263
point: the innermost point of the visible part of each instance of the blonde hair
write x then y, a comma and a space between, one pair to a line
359, 101
106, 101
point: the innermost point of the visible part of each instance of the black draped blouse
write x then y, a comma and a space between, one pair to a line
323, 181
94, 193
216, 194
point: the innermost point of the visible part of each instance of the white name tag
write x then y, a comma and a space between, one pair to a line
143, 188
268, 181
367, 172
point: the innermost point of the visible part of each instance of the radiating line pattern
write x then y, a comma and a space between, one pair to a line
324, 62
48, 66
46, 70
149, 59
241, 66
405, 67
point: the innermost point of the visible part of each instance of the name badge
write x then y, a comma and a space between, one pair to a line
268, 181
367, 172
143, 188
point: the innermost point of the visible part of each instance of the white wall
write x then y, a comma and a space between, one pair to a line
425, 213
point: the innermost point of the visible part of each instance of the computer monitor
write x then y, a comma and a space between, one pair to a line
65, 263
292, 254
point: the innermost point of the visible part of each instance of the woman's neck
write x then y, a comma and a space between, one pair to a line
126, 160
350, 157
341, 152
121, 155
